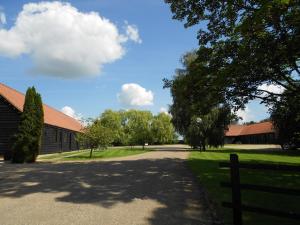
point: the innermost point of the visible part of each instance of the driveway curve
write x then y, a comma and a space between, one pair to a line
153, 188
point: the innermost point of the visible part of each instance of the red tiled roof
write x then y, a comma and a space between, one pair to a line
257, 128
51, 116
234, 130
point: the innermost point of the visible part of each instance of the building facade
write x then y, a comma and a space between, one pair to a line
59, 132
258, 133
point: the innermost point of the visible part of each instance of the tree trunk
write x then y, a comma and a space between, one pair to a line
91, 153
143, 146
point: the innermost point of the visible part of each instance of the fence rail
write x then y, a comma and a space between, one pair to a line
236, 188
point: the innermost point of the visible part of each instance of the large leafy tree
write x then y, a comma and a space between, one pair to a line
162, 130
114, 120
209, 129
286, 117
245, 44
193, 103
138, 126
27, 141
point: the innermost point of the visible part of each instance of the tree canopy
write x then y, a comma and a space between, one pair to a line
132, 127
95, 136
286, 117
200, 116
243, 45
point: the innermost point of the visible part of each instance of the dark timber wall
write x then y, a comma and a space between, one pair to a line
267, 138
55, 139
9, 120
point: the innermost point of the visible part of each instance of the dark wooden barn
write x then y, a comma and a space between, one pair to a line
59, 129
258, 133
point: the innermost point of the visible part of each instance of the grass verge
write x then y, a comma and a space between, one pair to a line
206, 166
97, 154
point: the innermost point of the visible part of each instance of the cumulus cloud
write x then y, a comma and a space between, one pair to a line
132, 33
64, 42
164, 110
135, 95
71, 112
271, 88
2, 18
246, 114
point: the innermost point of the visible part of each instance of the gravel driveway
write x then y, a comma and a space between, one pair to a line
152, 188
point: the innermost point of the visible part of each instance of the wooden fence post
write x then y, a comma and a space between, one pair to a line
236, 190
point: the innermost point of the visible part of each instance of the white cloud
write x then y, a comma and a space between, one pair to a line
135, 95
71, 112
2, 18
271, 88
164, 110
246, 114
63, 41
132, 33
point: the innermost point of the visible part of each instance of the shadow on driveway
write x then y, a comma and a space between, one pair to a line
105, 184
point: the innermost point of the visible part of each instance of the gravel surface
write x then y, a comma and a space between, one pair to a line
151, 188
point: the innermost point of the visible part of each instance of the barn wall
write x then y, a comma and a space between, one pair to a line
267, 138
54, 139
9, 121
57, 139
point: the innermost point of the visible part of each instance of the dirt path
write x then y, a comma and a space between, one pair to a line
152, 188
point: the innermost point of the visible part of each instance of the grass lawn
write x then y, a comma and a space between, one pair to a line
97, 154
206, 166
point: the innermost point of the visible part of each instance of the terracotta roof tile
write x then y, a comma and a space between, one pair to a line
234, 130
257, 128
51, 116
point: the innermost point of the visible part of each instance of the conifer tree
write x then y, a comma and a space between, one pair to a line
27, 141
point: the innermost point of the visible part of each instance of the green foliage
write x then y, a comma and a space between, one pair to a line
244, 44
27, 141
95, 136
162, 130
114, 120
191, 102
132, 127
209, 129
138, 126
285, 115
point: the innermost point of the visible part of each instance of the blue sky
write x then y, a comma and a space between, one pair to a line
152, 44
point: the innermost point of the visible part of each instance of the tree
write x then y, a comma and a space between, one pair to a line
209, 129
27, 141
138, 127
285, 115
191, 100
114, 120
244, 45
95, 136
162, 130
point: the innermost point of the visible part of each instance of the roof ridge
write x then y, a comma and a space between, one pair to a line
20, 109
44, 104
47, 107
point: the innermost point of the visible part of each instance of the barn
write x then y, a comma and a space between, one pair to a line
59, 129
257, 133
